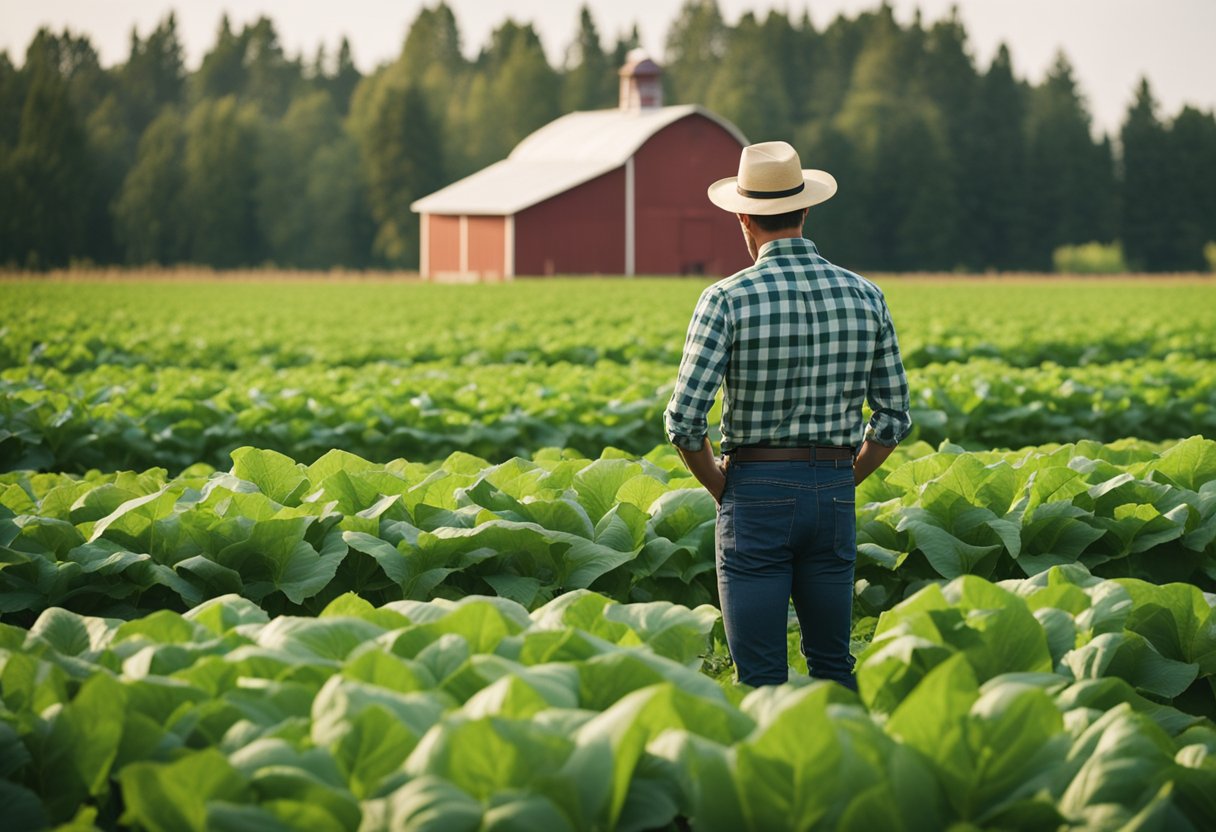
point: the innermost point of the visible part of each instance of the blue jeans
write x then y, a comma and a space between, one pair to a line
788, 530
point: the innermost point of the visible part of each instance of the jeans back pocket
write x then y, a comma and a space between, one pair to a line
763, 524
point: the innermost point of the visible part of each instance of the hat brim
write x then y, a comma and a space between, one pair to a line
819, 186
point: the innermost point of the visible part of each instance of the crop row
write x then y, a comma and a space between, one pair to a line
1042, 703
75, 326
292, 537
119, 418
1119, 509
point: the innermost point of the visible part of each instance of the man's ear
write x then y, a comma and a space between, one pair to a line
745, 221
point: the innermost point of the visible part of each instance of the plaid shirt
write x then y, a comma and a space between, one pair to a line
798, 344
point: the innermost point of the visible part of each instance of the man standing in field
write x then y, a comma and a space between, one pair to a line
797, 344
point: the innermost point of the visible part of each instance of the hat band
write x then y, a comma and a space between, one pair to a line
771, 194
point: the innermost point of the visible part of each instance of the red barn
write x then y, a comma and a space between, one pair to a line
602, 192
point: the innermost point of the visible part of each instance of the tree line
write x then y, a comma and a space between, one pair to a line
260, 157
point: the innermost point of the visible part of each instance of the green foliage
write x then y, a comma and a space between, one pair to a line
1069, 179
403, 161
220, 181
979, 705
1167, 214
1118, 509
1209, 253
697, 41
173, 417
750, 64
995, 203
291, 537
149, 214
1090, 258
288, 323
512, 93
153, 77
590, 81
311, 200
506, 371
50, 167
944, 165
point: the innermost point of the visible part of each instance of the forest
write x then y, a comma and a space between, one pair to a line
263, 158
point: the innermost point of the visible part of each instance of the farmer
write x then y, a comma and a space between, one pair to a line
797, 345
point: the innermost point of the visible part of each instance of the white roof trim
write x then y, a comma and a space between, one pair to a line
563, 154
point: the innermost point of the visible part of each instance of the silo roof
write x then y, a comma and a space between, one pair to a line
563, 154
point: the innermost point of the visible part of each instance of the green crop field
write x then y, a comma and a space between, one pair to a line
360, 555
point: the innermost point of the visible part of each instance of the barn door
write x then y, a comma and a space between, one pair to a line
696, 245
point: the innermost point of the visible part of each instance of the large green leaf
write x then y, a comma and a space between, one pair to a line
486, 756
73, 759
1121, 759
277, 476
1128, 656
432, 804
1190, 463
171, 797
597, 484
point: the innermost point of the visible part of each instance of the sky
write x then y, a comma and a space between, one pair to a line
1111, 43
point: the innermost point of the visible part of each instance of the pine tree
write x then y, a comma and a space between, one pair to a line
513, 93
590, 82
1149, 216
903, 160
50, 167
947, 77
431, 59
1192, 142
271, 77
341, 85
149, 215
841, 227
795, 54
749, 87
696, 45
993, 199
12, 99
219, 188
403, 161
223, 69
153, 77
1067, 176
311, 201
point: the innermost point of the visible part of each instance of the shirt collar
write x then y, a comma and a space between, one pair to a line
785, 246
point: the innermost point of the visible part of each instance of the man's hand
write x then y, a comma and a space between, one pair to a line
705, 467
868, 460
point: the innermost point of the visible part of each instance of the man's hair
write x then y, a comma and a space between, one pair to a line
779, 222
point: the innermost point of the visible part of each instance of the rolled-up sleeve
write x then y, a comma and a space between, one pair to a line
706, 353
890, 421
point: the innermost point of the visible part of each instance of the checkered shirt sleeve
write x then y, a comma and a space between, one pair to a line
887, 391
706, 354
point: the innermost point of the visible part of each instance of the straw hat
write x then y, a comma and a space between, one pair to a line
771, 181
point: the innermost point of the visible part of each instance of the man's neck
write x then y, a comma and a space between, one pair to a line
765, 237
761, 238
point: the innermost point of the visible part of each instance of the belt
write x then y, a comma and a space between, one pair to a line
804, 454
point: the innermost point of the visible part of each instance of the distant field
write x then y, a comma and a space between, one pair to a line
178, 367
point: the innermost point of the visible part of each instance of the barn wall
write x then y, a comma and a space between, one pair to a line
443, 244
486, 247
579, 232
679, 231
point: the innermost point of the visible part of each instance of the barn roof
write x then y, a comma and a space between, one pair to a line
574, 149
